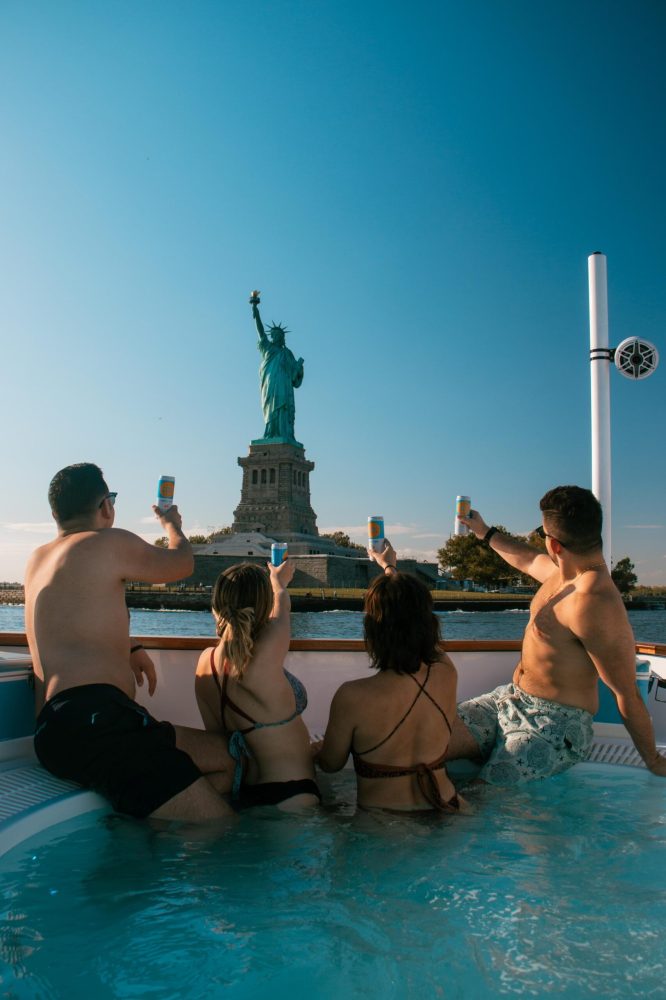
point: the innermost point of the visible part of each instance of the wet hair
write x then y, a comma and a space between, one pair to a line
76, 491
574, 517
401, 629
242, 603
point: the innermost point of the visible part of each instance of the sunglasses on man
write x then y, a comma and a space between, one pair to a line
542, 533
111, 497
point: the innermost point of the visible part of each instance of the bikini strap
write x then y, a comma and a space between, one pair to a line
424, 774
224, 697
430, 790
397, 726
213, 670
430, 698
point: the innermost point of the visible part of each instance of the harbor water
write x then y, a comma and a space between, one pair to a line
648, 626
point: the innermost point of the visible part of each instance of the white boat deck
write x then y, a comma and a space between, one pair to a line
32, 800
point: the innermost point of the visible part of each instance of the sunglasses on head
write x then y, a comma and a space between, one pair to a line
111, 497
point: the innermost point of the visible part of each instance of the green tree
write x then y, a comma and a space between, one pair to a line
340, 538
219, 533
162, 543
465, 557
537, 542
623, 575
197, 539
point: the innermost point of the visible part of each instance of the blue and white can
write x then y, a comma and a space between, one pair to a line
165, 491
279, 552
376, 532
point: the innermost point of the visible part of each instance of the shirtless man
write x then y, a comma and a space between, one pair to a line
578, 632
89, 728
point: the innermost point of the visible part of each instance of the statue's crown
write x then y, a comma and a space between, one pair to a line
278, 328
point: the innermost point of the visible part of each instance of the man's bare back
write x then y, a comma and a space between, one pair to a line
554, 663
89, 728
80, 633
578, 633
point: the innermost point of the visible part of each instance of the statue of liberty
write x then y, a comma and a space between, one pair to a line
279, 374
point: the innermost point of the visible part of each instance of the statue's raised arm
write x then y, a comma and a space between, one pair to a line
254, 302
279, 374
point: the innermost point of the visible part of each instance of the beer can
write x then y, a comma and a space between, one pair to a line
165, 489
278, 553
463, 507
376, 532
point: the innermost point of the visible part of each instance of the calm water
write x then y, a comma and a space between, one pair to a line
557, 889
648, 626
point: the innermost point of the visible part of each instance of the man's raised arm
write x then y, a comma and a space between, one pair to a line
520, 555
138, 560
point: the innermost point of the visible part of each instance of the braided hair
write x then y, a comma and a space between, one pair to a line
242, 604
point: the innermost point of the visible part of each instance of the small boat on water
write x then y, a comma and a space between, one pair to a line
32, 800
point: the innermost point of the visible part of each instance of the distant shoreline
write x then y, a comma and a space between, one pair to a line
201, 602
167, 600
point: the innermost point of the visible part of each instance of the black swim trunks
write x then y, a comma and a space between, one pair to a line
271, 793
99, 737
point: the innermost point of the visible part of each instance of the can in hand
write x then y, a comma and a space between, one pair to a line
165, 490
463, 508
376, 532
279, 552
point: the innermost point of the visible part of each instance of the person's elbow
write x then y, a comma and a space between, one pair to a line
328, 764
629, 700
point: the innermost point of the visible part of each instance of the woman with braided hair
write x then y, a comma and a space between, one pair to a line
244, 691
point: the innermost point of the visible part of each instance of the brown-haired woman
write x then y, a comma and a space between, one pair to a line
243, 690
397, 724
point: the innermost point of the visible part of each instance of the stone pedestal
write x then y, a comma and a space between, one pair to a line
275, 495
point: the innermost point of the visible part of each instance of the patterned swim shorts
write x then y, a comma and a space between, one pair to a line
522, 737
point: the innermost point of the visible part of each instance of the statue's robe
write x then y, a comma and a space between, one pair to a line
279, 374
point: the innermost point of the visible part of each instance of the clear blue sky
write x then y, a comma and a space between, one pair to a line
415, 188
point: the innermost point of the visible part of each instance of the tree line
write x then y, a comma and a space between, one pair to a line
462, 557
214, 536
465, 557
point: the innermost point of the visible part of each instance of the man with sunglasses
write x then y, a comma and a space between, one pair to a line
578, 632
89, 727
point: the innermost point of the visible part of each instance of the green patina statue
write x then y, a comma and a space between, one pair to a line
279, 373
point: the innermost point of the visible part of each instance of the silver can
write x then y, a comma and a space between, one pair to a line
463, 508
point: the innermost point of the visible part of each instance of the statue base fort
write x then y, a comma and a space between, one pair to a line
275, 493
275, 507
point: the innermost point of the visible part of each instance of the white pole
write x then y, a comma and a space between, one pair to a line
600, 384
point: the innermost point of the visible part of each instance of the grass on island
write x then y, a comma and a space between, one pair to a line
347, 593
437, 595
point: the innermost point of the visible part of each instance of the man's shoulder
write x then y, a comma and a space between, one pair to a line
548, 581
115, 543
600, 590
118, 536
599, 601
38, 554
36, 559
